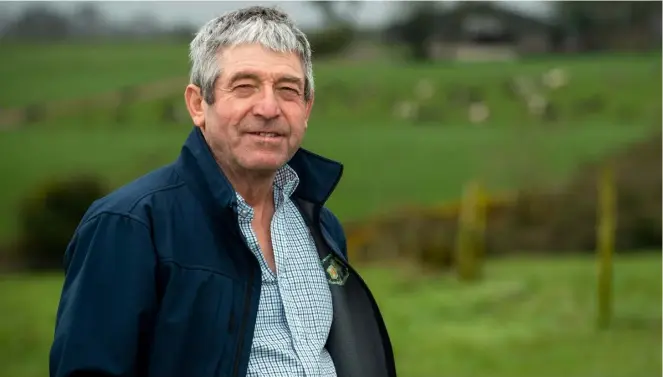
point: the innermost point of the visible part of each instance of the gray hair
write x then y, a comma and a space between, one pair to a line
269, 27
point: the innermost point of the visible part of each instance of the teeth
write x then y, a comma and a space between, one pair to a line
267, 134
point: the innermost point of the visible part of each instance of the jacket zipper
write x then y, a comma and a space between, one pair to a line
242, 335
247, 306
386, 342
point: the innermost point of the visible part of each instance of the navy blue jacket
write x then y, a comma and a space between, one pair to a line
160, 283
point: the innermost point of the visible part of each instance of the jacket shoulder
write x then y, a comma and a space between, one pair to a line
134, 198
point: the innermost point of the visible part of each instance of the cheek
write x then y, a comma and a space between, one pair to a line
225, 118
299, 130
296, 116
296, 139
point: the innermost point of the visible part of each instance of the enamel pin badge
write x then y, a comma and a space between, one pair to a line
336, 272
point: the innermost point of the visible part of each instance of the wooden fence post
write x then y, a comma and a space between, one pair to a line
469, 238
481, 225
606, 224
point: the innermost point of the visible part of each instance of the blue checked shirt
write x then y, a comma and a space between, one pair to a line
295, 311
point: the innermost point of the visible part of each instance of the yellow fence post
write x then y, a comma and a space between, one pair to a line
481, 224
469, 238
606, 224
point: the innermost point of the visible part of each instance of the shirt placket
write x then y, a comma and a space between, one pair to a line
286, 280
246, 216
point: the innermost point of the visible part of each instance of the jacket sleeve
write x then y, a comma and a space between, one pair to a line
108, 298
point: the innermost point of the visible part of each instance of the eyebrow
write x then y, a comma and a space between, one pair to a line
243, 76
291, 79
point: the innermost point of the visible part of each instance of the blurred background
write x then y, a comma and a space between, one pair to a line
502, 186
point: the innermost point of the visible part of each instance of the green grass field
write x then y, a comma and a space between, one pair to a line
528, 318
39, 73
624, 87
386, 169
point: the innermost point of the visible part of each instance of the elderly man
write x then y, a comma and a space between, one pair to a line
226, 262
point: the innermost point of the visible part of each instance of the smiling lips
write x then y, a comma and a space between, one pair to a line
265, 138
266, 134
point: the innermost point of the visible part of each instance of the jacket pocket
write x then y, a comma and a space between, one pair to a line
194, 324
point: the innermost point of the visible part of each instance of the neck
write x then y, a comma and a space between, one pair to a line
256, 191
256, 188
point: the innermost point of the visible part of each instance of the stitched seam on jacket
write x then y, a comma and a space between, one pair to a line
166, 188
195, 268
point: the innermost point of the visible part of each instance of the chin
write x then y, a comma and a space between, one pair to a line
265, 163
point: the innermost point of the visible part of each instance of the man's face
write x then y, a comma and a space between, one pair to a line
259, 116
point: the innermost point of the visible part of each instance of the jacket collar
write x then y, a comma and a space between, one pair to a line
318, 176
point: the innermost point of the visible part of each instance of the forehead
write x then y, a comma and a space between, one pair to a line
258, 60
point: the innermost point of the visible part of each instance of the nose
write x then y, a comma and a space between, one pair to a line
267, 105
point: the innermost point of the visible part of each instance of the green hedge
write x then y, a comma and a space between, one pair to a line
49, 216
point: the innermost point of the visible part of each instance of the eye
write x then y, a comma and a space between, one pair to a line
289, 92
244, 89
243, 86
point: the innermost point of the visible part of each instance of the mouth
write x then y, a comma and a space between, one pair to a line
268, 135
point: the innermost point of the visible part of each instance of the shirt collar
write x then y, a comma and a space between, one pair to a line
285, 184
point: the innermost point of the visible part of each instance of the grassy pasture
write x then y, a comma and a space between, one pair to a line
399, 164
47, 72
625, 87
612, 89
528, 318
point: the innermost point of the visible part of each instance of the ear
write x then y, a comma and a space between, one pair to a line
195, 104
309, 107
